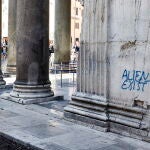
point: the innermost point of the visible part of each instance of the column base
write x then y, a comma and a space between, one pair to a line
25, 94
30, 100
2, 82
100, 114
11, 69
129, 121
89, 112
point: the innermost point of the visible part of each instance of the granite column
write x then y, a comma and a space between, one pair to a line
11, 64
62, 31
2, 82
32, 72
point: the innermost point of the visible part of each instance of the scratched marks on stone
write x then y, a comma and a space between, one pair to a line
135, 80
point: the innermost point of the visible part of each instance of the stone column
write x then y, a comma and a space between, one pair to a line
62, 31
11, 64
32, 74
2, 82
89, 103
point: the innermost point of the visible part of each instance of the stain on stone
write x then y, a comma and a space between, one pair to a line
102, 18
128, 45
138, 103
148, 107
103, 12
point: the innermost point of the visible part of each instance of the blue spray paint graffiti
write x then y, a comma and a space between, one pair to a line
135, 80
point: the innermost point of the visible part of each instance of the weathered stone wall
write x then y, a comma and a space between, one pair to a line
129, 51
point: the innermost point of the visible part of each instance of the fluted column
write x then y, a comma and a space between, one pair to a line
11, 64
2, 82
62, 31
89, 102
32, 74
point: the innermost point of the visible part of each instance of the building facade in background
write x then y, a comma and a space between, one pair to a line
76, 20
51, 20
4, 18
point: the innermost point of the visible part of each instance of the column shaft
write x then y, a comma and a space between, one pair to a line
11, 64
62, 31
2, 82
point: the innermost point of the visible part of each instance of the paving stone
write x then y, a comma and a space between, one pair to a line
43, 131
57, 105
115, 147
119, 146
24, 121
53, 146
75, 140
7, 114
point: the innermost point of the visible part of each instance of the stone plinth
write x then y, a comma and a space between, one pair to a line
2, 82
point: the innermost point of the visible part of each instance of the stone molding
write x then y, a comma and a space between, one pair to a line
107, 116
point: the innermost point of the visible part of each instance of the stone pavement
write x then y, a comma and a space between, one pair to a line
42, 126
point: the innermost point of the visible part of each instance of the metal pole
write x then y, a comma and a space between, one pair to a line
61, 74
73, 73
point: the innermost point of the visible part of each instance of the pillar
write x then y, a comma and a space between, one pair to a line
113, 79
62, 31
2, 82
11, 64
89, 103
32, 73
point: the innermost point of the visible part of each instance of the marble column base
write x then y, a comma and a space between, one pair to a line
11, 69
25, 94
129, 121
100, 114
